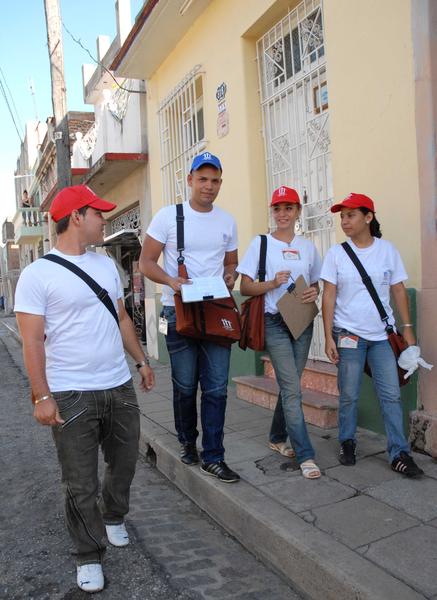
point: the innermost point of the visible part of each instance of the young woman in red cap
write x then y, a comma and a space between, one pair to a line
354, 330
288, 256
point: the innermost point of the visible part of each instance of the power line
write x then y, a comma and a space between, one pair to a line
98, 62
12, 100
32, 93
9, 108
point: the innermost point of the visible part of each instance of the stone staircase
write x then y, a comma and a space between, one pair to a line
319, 388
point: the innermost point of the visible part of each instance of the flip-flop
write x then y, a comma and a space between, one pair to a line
283, 449
310, 470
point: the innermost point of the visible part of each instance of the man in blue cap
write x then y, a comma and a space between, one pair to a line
210, 240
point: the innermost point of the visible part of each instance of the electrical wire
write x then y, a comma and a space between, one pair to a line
12, 98
10, 110
98, 62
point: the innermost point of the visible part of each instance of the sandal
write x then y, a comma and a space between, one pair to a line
310, 470
283, 449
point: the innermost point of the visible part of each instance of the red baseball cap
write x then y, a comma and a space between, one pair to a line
354, 201
75, 197
285, 194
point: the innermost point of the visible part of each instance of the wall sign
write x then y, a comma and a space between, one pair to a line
223, 115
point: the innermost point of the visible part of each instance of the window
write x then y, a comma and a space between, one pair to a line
292, 48
182, 134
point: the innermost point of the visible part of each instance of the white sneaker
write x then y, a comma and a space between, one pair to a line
90, 577
117, 535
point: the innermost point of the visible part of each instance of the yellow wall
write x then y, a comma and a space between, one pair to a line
371, 103
222, 41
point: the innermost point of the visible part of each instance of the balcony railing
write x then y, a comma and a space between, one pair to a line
31, 217
28, 225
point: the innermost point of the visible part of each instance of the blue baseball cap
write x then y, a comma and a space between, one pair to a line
205, 159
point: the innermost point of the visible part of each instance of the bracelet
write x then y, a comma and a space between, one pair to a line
46, 397
407, 325
143, 363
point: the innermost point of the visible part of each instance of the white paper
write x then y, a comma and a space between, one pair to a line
204, 288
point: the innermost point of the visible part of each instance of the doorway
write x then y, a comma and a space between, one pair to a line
295, 109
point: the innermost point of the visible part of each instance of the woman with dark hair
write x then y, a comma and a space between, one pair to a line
354, 330
287, 256
25, 201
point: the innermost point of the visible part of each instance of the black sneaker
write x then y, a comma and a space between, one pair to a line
221, 471
189, 454
405, 464
347, 453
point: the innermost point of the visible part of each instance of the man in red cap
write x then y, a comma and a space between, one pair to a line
74, 325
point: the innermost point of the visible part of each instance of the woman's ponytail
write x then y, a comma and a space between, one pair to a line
375, 227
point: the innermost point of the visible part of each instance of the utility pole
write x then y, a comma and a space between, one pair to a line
59, 92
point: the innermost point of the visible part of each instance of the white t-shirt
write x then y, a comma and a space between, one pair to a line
84, 349
207, 237
300, 257
354, 307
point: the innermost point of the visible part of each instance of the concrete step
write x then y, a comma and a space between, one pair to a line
321, 377
318, 375
319, 408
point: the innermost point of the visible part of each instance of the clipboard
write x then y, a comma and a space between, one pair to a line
297, 316
204, 288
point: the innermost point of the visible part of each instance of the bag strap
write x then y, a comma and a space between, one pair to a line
100, 292
369, 285
262, 258
180, 242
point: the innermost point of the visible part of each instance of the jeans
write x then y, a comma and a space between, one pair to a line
193, 362
382, 363
288, 358
109, 418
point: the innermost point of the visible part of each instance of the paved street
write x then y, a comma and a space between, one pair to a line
177, 552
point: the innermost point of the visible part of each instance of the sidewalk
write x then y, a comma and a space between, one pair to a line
360, 532
357, 532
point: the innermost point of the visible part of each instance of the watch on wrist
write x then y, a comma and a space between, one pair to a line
143, 363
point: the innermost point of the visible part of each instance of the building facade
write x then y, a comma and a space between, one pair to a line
9, 266
28, 219
115, 153
319, 95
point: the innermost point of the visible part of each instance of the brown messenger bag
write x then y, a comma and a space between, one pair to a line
252, 309
211, 320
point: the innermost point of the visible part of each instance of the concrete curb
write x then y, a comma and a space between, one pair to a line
311, 560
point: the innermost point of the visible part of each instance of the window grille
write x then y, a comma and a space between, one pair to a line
295, 108
127, 220
182, 134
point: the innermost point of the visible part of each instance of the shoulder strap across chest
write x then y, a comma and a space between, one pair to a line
99, 291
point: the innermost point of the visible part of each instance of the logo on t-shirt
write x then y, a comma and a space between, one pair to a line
290, 254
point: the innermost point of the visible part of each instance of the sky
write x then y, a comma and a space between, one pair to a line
24, 56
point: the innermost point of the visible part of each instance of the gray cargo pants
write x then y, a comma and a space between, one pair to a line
110, 419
